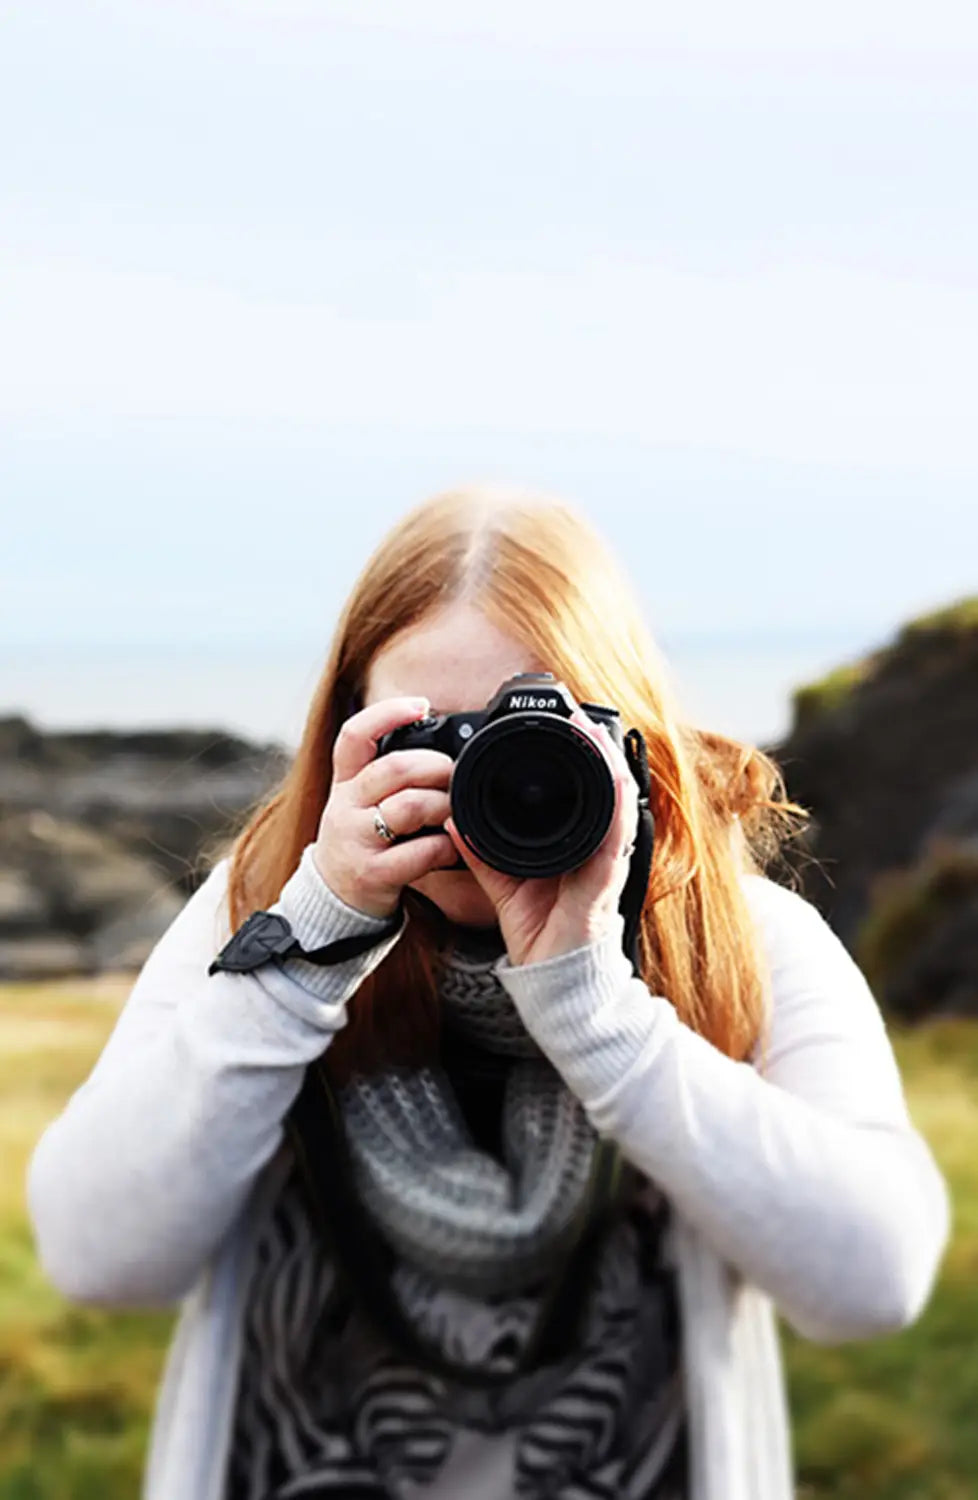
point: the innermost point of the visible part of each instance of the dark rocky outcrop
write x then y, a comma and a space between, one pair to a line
884, 752
101, 835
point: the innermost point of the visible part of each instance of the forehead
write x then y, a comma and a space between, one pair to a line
456, 659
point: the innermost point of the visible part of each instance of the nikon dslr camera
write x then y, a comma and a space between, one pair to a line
532, 794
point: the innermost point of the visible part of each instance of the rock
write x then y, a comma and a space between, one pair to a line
160, 795
879, 764
919, 943
22, 905
956, 814
941, 978
884, 752
74, 900
83, 897
101, 837
52, 955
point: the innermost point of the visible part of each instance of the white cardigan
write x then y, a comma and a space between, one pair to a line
806, 1190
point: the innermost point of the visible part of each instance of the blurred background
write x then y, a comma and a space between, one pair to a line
272, 272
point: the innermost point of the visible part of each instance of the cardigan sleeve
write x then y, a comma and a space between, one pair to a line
809, 1177
133, 1185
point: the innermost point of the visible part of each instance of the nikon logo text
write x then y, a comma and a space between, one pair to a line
527, 700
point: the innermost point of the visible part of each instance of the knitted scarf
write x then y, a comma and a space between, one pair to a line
460, 1216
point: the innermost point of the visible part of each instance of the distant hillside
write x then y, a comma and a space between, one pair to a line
100, 836
884, 751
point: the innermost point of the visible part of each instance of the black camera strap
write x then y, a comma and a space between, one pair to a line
266, 937
637, 883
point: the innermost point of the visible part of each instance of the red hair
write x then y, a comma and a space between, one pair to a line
539, 572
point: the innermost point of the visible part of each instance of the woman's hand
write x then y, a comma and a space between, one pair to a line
543, 918
410, 787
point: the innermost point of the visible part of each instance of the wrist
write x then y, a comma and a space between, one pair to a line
317, 912
355, 904
570, 938
589, 1013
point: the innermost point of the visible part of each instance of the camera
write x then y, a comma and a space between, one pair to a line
531, 793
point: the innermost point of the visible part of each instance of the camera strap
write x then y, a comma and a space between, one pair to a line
637, 883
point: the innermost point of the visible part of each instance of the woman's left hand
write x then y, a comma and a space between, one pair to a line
542, 918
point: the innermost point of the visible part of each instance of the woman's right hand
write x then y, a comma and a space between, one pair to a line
411, 789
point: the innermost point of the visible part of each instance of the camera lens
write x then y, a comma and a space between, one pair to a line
532, 795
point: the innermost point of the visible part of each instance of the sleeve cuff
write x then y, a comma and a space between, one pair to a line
318, 916
315, 913
587, 1010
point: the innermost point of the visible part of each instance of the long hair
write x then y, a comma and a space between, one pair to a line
541, 574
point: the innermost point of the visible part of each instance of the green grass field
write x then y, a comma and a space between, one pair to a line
892, 1419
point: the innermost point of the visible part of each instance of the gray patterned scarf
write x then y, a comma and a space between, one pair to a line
470, 1221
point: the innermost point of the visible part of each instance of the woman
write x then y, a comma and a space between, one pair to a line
483, 1044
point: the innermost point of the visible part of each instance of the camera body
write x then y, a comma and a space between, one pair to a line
531, 793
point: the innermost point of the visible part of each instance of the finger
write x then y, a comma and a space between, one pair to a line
404, 863
581, 720
622, 833
627, 821
414, 808
602, 734
623, 828
600, 737
402, 768
497, 885
356, 743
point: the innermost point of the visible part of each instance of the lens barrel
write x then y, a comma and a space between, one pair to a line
532, 794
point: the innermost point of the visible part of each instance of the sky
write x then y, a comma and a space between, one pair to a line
272, 272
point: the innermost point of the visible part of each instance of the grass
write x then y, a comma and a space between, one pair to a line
814, 701
908, 908
76, 1384
894, 1418
888, 1419
961, 616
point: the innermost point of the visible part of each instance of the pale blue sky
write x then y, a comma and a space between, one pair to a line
270, 272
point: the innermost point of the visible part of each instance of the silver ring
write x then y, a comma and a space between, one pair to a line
383, 827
